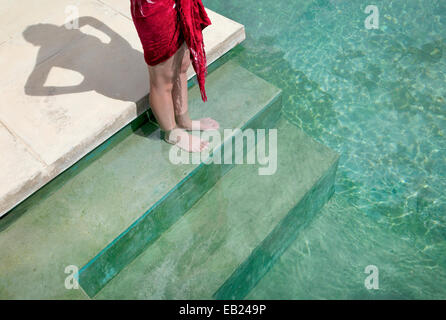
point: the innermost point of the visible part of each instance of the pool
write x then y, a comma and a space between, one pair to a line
378, 97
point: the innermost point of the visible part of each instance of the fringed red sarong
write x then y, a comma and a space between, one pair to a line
163, 26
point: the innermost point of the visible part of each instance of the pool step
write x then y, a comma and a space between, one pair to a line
237, 104
230, 238
106, 209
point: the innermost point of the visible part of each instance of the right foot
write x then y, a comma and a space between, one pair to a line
184, 121
185, 141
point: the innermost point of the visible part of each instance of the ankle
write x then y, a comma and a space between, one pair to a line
172, 135
183, 120
166, 134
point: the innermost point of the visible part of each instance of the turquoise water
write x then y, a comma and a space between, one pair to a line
378, 97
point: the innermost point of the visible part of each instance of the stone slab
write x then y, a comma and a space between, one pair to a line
64, 92
21, 175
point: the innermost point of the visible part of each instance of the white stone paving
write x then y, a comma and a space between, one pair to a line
64, 91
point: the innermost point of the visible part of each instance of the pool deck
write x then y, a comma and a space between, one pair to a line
65, 91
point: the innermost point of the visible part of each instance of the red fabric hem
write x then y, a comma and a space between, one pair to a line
166, 56
164, 26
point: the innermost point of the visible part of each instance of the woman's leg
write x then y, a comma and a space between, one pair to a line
179, 95
160, 98
162, 77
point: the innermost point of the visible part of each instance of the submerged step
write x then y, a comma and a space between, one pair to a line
229, 239
99, 216
334, 257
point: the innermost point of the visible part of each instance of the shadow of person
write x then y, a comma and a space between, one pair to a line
112, 69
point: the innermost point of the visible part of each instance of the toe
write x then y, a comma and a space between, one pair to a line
204, 145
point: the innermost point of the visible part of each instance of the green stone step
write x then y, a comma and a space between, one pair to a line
230, 238
328, 261
108, 207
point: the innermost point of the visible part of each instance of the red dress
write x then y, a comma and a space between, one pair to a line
163, 26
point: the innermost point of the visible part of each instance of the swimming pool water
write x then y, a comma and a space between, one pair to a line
378, 97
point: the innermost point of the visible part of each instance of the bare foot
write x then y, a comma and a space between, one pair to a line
204, 124
185, 141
